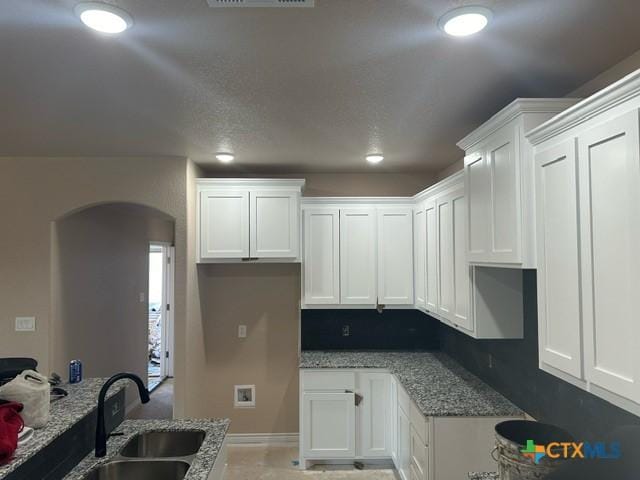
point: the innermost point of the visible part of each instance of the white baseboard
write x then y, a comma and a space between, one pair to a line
249, 439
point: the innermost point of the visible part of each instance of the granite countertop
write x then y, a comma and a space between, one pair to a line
202, 464
439, 386
82, 399
483, 476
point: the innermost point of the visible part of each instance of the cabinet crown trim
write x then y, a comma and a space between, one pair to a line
619, 92
296, 183
516, 108
451, 181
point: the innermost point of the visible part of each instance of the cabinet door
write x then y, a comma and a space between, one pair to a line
478, 189
559, 316
431, 257
375, 421
395, 256
419, 256
404, 445
321, 256
393, 405
446, 296
224, 224
329, 425
274, 224
504, 206
358, 256
461, 270
609, 172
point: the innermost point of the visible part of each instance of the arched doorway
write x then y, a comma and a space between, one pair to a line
101, 273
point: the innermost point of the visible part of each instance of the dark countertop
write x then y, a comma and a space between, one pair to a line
66, 412
438, 385
202, 464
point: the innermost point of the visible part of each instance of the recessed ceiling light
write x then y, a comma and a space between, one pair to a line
225, 157
103, 17
374, 158
465, 21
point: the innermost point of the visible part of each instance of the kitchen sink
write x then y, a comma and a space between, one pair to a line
140, 470
163, 444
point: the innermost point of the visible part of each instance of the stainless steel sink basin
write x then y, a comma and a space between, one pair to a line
163, 444
140, 470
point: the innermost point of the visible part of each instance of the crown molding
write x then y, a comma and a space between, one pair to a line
516, 108
297, 183
619, 92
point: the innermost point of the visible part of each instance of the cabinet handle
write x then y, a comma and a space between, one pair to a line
356, 396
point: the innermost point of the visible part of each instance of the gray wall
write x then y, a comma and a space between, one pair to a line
514, 372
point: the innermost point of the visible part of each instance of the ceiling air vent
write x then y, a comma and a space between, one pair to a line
261, 3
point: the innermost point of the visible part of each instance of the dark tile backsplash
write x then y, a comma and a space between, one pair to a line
511, 367
368, 330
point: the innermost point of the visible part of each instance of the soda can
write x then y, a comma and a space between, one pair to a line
75, 371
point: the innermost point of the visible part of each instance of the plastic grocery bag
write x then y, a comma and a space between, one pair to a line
31, 390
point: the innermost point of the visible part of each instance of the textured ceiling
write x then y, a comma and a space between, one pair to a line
296, 89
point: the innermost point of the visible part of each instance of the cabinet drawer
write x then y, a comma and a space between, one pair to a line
331, 380
403, 400
420, 423
419, 455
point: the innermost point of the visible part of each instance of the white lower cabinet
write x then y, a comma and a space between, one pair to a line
349, 415
375, 415
403, 464
329, 425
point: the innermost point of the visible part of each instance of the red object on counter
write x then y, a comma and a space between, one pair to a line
10, 425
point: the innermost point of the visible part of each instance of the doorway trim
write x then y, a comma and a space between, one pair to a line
167, 309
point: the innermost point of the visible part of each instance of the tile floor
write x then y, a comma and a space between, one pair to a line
275, 463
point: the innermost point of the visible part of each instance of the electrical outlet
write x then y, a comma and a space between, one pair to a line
490, 361
141, 297
25, 324
346, 331
242, 331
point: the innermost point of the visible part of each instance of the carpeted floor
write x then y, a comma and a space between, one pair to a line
276, 463
160, 406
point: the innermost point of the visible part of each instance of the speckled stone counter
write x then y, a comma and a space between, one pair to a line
81, 401
438, 385
202, 464
483, 476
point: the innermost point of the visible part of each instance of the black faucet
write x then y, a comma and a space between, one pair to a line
101, 431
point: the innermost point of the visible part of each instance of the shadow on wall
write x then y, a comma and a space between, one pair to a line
511, 367
100, 283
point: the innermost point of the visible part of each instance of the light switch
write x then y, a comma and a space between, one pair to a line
242, 331
25, 324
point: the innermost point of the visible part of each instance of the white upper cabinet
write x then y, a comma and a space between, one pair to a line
358, 256
588, 228
609, 156
248, 219
224, 224
419, 255
558, 258
274, 224
431, 256
395, 255
453, 268
499, 182
321, 256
